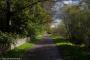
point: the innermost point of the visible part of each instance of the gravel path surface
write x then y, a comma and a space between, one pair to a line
45, 50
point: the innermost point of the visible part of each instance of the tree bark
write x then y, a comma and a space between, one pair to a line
8, 14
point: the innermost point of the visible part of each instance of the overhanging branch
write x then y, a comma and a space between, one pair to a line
31, 5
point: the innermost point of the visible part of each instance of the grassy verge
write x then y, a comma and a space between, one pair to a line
17, 52
70, 51
73, 53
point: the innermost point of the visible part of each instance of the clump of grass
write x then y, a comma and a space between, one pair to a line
17, 52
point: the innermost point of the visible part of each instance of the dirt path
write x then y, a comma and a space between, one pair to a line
45, 50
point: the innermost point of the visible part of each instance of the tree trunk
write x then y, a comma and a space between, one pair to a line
8, 15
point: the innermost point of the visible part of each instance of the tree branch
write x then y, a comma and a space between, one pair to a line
31, 5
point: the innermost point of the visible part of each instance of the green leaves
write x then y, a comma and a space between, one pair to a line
77, 22
6, 38
24, 16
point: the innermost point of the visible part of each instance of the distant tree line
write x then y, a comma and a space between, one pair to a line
76, 19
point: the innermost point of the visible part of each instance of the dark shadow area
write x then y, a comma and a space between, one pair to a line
42, 41
59, 40
17, 53
73, 53
43, 53
45, 41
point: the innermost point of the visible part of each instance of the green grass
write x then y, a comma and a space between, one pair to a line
35, 41
73, 52
25, 46
70, 51
17, 52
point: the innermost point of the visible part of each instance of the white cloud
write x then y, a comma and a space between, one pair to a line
67, 2
71, 2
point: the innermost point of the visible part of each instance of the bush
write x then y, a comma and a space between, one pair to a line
6, 38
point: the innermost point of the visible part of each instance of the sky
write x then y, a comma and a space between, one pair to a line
59, 4
56, 10
71, 1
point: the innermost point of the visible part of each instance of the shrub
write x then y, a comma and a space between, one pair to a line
7, 38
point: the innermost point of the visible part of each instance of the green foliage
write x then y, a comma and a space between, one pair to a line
17, 52
70, 51
60, 30
6, 38
26, 16
21, 18
78, 24
73, 53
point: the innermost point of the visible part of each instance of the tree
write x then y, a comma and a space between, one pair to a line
77, 22
23, 18
21, 15
85, 4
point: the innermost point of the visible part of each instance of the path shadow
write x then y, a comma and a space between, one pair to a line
43, 53
45, 41
44, 50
